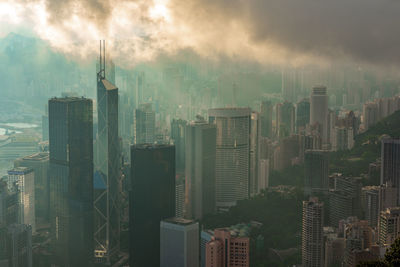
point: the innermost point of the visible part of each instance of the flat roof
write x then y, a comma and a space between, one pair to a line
180, 221
20, 171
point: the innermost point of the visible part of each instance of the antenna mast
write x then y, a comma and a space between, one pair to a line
102, 62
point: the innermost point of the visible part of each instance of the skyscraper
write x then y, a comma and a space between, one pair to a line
370, 115
39, 163
200, 168
109, 166
255, 133
178, 128
312, 235
266, 119
390, 155
389, 226
24, 179
319, 110
71, 180
145, 124
285, 119
179, 243
19, 245
302, 114
232, 156
316, 170
151, 200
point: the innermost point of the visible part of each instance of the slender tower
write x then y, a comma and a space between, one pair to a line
106, 231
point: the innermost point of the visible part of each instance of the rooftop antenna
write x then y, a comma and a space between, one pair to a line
102, 62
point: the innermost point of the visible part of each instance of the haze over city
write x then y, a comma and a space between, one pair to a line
199, 133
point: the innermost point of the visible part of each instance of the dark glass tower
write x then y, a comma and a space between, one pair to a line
71, 180
302, 114
152, 199
266, 119
108, 168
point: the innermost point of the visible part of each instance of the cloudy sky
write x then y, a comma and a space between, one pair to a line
266, 31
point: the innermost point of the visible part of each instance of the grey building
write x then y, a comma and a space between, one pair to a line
145, 124
266, 118
71, 180
319, 110
390, 156
232, 154
179, 243
316, 169
200, 168
312, 244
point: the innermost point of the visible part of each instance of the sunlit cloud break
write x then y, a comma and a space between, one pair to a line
266, 31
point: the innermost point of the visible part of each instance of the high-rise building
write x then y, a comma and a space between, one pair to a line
263, 174
285, 119
371, 204
302, 114
71, 180
24, 179
200, 168
266, 119
342, 138
387, 196
9, 205
319, 110
390, 156
180, 187
340, 206
145, 124
312, 234
232, 154
18, 245
227, 250
389, 226
255, 134
316, 169
205, 237
178, 128
179, 243
108, 164
151, 200
39, 163
370, 115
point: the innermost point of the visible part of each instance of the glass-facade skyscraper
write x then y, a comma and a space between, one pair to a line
151, 200
71, 180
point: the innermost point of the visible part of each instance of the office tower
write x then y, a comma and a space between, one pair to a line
302, 114
151, 200
319, 110
227, 250
178, 128
389, 226
266, 119
371, 204
71, 180
45, 125
316, 169
205, 237
106, 226
342, 138
370, 115
352, 187
387, 196
200, 168
287, 153
179, 243
263, 175
19, 245
145, 124
232, 154
9, 205
334, 250
179, 196
285, 119
390, 156
255, 133
312, 233
39, 163
140, 82
340, 206
358, 236
24, 179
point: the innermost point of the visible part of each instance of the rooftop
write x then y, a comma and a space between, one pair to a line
108, 85
19, 171
37, 156
180, 221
